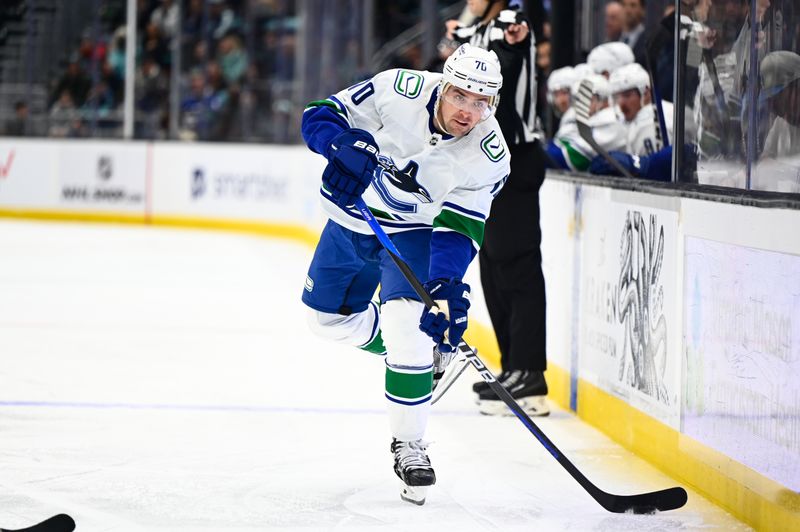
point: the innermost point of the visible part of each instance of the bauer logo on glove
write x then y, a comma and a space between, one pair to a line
447, 322
352, 159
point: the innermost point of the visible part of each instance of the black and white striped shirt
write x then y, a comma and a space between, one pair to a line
516, 111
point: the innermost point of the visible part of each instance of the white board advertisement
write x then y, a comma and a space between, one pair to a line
28, 173
742, 322
102, 176
559, 228
629, 333
277, 184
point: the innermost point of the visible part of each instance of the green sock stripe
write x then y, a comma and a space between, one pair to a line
408, 385
376, 345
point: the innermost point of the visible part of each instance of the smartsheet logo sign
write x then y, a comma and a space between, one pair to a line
198, 183
233, 186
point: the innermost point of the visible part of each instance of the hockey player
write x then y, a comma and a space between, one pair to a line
569, 151
630, 86
607, 57
559, 89
567, 125
426, 154
559, 96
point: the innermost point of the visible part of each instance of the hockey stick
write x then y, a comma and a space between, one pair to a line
668, 499
57, 523
582, 102
653, 47
719, 99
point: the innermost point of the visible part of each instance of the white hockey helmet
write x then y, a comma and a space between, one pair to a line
580, 71
609, 56
475, 70
628, 77
561, 78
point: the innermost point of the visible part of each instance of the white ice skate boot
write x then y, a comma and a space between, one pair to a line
528, 388
413, 467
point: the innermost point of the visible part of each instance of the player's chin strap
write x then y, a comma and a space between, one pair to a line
668, 499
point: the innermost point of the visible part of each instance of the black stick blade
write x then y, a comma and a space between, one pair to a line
644, 503
57, 523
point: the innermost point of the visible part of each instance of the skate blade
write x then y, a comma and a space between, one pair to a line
414, 494
533, 406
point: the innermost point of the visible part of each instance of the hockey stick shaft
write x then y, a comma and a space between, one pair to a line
651, 56
668, 499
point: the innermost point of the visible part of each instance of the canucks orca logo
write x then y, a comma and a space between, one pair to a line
394, 185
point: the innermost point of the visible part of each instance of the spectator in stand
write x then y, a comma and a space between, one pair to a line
223, 19
91, 52
614, 20
194, 108
633, 26
151, 90
100, 100
165, 17
633, 35
65, 120
198, 57
114, 82
193, 20
207, 112
223, 102
19, 126
116, 53
155, 46
232, 59
75, 82
192, 32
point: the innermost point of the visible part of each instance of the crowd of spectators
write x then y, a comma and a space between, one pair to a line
226, 90
235, 64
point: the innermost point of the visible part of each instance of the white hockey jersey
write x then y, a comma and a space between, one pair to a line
568, 124
643, 133
607, 131
425, 179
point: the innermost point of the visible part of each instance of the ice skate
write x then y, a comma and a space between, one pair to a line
528, 388
413, 467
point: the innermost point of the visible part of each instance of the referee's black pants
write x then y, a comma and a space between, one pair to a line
511, 264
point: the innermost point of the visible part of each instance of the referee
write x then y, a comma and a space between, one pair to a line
510, 258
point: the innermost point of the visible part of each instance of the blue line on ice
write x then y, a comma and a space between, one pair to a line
212, 408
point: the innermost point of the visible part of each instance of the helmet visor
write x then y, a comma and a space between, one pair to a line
476, 106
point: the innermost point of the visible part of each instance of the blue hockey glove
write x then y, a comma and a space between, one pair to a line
446, 324
631, 163
352, 158
656, 166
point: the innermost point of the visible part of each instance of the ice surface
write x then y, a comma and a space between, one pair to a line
164, 380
